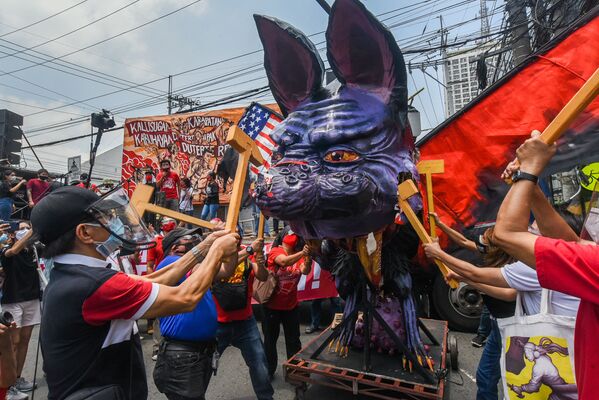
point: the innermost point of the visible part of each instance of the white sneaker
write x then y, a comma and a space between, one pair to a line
23, 385
155, 357
14, 394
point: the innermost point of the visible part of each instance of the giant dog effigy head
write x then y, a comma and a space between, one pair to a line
343, 150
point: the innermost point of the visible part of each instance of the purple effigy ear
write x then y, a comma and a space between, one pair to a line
363, 52
292, 63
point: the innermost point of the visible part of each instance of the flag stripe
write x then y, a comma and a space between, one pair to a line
265, 136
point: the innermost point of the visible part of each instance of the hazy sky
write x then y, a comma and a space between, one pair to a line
206, 32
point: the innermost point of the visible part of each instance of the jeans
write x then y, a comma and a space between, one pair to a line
5, 208
172, 204
316, 310
182, 375
209, 211
484, 325
246, 337
489, 370
271, 326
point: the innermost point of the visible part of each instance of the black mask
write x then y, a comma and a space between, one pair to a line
44, 178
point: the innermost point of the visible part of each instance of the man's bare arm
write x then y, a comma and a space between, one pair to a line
550, 223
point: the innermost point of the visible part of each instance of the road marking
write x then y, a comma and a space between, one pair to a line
473, 379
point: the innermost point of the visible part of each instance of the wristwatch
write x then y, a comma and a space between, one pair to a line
519, 176
250, 250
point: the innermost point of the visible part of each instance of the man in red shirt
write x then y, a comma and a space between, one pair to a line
38, 187
168, 183
563, 261
236, 323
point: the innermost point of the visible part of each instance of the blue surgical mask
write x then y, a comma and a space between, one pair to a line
3, 238
110, 245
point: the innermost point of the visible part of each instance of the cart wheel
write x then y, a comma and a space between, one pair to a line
300, 391
452, 349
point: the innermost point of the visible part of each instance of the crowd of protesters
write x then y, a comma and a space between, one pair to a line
107, 269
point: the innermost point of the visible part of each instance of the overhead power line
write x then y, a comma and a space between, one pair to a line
43, 19
109, 38
74, 30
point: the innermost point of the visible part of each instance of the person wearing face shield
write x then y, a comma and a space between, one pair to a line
21, 298
563, 261
9, 185
38, 187
89, 339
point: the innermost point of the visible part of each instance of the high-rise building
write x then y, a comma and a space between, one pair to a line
461, 79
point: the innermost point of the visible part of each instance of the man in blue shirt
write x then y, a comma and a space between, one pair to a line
184, 364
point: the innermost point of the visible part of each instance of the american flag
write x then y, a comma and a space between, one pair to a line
258, 122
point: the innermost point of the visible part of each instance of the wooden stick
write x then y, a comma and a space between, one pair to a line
261, 223
406, 190
248, 152
140, 200
428, 168
577, 104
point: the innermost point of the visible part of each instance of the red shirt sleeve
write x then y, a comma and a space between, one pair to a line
568, 267
274, 253
120, 297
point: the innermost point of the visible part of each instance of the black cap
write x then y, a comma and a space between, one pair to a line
177, 234
60, 211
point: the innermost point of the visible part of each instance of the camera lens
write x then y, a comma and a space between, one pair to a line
6, 318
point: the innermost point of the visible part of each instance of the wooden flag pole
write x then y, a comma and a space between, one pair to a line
248, 152
140, 200
428, 168
406, 190
577, 104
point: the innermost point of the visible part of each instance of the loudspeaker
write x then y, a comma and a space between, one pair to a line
10, 136
10, 118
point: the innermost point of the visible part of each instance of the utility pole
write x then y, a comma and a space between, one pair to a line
518, 21
443, 51
170, 94
485, 29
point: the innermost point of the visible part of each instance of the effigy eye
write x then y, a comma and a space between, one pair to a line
341, 156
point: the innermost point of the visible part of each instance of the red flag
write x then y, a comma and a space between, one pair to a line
479, 141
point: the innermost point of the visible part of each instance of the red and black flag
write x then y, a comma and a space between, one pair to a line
479, 141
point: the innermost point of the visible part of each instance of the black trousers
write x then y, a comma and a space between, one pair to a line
183, 373
271, 327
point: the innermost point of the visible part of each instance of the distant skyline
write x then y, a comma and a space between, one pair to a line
202, 34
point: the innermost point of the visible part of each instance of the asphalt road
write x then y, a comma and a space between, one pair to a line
233, 383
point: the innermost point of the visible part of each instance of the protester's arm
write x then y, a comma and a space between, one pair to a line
29, 195
19, 245
172, 274
501, 293
8, 365
17, 186
489, 276
285, 261
454, 235
511, 231
259, 266
183, 298
550, 223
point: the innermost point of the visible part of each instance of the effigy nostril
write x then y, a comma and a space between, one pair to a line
347, 178
304, 168
291, 180
303, 176
284, 171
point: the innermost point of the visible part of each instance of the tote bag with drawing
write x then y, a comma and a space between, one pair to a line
537, 354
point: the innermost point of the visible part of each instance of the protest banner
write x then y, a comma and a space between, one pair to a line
193, 142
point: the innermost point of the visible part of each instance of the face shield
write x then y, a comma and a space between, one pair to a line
590, 230
114, 212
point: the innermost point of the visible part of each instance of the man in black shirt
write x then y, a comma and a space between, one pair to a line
89, 337
21, 297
